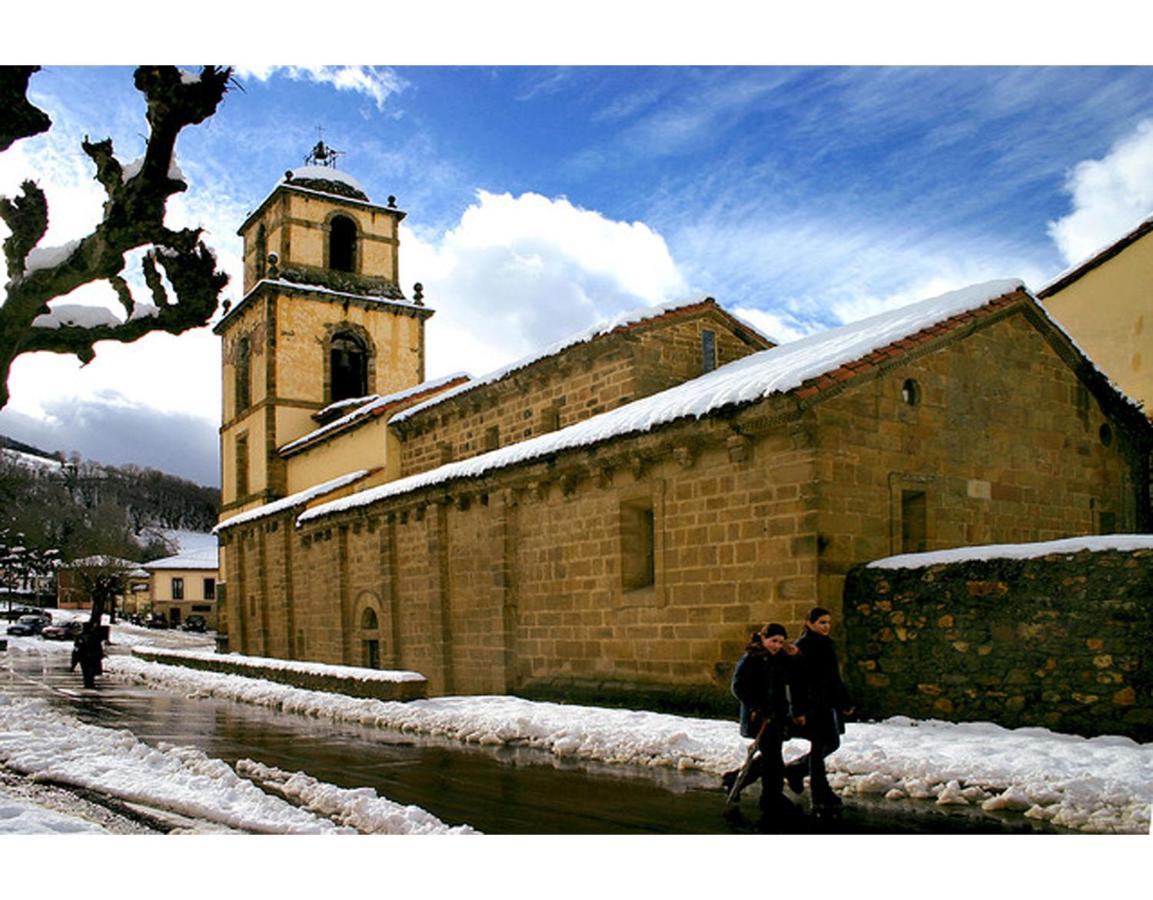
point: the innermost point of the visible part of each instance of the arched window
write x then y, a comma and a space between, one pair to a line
243, 375
348, 364
370, 638
342, 244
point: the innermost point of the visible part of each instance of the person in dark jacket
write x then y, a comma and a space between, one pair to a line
820, 704
761, 681
88, 651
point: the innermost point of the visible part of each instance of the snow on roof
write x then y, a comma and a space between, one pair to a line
623, 320
368, 406
104, 560
325, 173
746, 380
1097, 256
1094, 544
297, 499
344, 404
199, 558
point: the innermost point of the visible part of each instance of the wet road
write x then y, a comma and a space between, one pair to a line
495, 790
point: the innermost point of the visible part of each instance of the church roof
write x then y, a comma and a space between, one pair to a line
623, 322
806, 367
327, 180
197, 558
364, 409
1095, 259
300, 498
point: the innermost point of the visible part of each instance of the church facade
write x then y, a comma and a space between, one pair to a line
611, 517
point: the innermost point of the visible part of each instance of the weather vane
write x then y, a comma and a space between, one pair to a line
322, 154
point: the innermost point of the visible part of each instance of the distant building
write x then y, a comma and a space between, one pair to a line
73, 578
1103, 301
614, 514
184, 585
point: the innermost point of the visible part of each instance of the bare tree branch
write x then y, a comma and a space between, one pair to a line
137, 195
20, 119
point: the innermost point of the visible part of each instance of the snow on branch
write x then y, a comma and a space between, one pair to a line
133, 218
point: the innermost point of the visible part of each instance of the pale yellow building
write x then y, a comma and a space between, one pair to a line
184, 585
1102, 303
323, 321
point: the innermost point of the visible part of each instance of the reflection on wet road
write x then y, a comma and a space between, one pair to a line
495, 790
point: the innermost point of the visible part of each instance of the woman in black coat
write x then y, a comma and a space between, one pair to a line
761, 682
820, 704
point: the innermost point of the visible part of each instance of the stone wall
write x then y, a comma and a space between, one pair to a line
1002, 442
1061, 642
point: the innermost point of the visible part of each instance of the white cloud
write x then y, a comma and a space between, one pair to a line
518, 273
376, 82
1110, 196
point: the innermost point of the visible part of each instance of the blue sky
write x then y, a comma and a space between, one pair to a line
543, 199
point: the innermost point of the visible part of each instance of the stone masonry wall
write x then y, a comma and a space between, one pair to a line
1060, 642
1003, 441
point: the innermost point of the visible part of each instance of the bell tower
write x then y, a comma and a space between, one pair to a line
323, 319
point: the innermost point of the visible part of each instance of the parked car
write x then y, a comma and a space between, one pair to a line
157, 620
195, 623
63, 631
27, 625
17, 611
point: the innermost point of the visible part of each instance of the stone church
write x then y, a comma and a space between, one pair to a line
609, 518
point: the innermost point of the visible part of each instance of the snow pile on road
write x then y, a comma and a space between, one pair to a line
18, 816
1102, 784
1099, 785
359, 808
35, 740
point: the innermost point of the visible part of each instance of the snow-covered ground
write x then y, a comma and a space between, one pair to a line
1095, 785
1098, 785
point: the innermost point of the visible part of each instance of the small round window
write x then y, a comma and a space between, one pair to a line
911, 392
1106, 435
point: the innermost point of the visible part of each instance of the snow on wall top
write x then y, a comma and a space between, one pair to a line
631, 317
297, 499
746, 380
367, 406
1094, 544
199, 558
344, 673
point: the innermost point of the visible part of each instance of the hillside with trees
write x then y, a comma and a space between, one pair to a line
81, 508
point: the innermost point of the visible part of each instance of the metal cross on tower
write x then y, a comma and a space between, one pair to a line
322, 154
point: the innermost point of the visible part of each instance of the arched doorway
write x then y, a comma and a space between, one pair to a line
368, 633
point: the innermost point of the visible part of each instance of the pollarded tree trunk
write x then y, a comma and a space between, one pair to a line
133, 219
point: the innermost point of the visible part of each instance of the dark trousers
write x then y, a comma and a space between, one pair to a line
824, 739
769, 767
